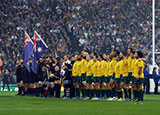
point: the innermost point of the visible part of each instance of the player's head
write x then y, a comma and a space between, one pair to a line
17, 62
84, 52
21, 61
92, 55
116, 53
100, 57
79, 58
132, 54
130, 50
122, 55
76, 57
107, 58
88, 58
40, 60
110, 58
112, 53
95, 57
118, 58
139, 54
104, 56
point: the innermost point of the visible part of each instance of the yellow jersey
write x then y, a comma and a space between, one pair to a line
89, 68
135, 68
74, 69
121, 67
111, 66
129, 64
107, 69
103, 67
124, 69
83, 66
79, 73
132, 65
141, 64
99, 71
117, 70
95, 69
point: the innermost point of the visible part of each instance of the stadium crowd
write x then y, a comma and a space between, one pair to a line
68, 26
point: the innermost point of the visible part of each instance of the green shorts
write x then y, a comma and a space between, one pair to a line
125, 80
107, 79
83, 77
76, 79
140, 81
113, 76
130, 76
133, 80
97, 79
103, 77
89, 79
117, 80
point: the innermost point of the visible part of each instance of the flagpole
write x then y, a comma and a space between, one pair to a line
41, 39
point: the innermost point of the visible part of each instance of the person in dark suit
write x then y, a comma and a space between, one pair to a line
156, 79
5, 79
57, 87
146, 84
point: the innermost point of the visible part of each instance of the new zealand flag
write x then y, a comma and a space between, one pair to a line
28, 51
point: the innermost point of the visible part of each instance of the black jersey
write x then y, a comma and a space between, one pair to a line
19, 73
67, 74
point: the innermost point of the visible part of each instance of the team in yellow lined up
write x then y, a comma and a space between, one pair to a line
106, 77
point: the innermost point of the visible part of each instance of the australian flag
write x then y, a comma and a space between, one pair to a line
38, 47
28, 51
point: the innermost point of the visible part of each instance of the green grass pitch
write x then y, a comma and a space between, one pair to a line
18, 105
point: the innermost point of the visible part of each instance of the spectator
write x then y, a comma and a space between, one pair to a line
146, 80
67, 26
5, 79
156, 79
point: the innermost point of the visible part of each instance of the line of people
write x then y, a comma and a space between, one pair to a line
86, 76
104, 76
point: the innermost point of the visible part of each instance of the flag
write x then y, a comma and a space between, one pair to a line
38, 47
28, 51
34, 58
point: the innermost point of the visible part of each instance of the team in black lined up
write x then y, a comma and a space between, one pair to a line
48, 81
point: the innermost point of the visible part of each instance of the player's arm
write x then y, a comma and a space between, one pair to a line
140, 66
142, 59
139, 72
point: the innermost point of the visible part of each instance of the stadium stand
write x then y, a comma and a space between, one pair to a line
68, 26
